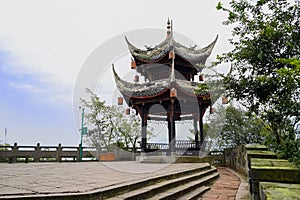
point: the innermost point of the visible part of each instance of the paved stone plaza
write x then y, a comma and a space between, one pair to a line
22, 179
55, 178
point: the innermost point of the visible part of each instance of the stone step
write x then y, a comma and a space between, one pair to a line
195, 194
156, 159
130, 186
152, 159
159, 187
190, 190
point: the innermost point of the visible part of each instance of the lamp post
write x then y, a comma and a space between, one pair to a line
81, 134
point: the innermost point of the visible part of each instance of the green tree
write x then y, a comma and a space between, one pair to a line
100, 121
230, 127
108, 126
265, 61
130, 131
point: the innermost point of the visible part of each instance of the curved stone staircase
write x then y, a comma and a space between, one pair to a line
185, 184
190, 184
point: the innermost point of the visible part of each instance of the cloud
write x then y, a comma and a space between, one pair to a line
53, 38
25, 86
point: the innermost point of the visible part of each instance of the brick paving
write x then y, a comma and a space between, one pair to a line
225, 187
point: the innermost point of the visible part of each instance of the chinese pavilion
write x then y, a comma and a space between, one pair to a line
169, 69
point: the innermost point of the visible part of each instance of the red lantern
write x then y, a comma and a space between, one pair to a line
127, 111
133, 65
173, 93
211, 110
201, 77
136, 78
224, 100
171, 55
120, 101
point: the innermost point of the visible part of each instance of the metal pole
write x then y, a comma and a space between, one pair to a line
5, 136
81, 134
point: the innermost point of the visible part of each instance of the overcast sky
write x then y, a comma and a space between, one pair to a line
44, 44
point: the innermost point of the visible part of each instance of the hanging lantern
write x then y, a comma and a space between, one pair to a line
224, 100
136, 78
127, 111
133, 65
173, 93
211, 110
201, 77
171, 54
120, 101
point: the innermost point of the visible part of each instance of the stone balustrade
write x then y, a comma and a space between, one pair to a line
267, 175
40, 153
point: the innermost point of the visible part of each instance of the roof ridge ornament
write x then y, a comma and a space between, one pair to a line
169, 28
172, 77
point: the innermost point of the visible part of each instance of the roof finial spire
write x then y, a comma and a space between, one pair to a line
169, 28
168, 23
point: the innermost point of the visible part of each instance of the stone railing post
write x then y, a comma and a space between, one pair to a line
37, 153
59, 153
15, 153
98, 152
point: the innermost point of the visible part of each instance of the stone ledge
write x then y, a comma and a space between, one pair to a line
275, 170
156, 159
257, 163
261, 154
279, 191
256, 147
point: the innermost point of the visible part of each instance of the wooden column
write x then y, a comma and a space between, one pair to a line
169, 134
201, 126
173, 130
196, 131
169, 130
144, 130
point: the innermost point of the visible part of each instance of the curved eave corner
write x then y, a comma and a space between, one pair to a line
122, 85
210, 47
139, 91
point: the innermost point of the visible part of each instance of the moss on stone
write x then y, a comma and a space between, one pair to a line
260, 152
279, 191
256, 147
258, 163
274, 170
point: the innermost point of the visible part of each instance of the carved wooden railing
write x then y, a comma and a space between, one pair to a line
180, 144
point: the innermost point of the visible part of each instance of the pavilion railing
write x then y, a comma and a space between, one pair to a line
180, 144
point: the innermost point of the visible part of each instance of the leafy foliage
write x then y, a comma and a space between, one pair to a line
230, 127
108, 126
265, 60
